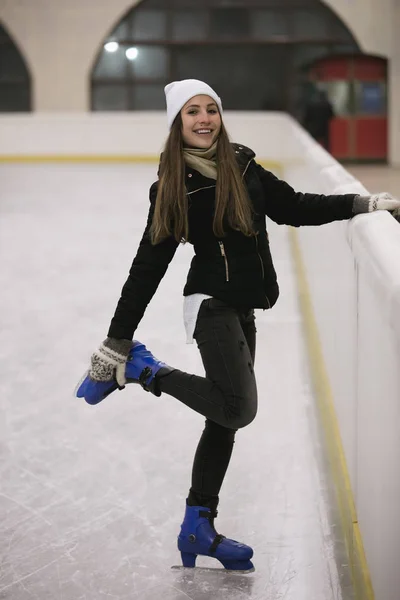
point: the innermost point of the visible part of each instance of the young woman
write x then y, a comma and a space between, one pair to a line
214, 195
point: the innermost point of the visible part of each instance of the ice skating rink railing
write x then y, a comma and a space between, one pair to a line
122, 137
349, 288
349, 285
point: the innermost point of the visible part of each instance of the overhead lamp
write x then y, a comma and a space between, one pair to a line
131, 53
111, 46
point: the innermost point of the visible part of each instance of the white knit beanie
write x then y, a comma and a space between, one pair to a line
178, 93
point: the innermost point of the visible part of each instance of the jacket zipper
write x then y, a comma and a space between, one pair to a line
223, 253
247, 166
208, 187
262, 271
221, 245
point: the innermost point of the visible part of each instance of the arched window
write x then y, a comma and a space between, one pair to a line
252, 51
15, 86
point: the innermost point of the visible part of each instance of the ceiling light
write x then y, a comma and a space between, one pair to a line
111, 46
131, 53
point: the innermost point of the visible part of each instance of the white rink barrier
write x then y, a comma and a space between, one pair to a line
349, 280
135, 136
350, 290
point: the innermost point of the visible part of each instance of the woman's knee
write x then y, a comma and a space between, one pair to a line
242, 418
219, 431
246, 420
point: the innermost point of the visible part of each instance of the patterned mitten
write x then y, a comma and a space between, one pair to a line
381, 201
109, 361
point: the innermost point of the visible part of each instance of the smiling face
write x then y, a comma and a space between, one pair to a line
201, 122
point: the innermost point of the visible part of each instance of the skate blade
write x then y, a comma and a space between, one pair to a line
211, 570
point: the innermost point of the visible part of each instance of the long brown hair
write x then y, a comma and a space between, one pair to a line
171, 209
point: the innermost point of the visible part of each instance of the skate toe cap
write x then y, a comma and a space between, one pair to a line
232, 547
94, 391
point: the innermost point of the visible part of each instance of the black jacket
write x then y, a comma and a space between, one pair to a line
235, 269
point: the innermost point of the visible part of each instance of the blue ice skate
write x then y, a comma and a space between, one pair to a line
141, 367
198, 537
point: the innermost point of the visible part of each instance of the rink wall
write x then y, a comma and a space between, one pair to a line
127, 137
349, 284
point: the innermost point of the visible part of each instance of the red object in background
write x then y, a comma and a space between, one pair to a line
340, 136
370, 69
371, 138
330, 69
357, 87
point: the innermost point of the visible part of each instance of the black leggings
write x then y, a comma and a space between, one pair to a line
227, 396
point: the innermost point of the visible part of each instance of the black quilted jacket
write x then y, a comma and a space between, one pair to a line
235, 269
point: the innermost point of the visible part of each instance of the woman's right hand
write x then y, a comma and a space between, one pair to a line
109, 361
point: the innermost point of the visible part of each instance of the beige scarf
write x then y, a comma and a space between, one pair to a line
203, 161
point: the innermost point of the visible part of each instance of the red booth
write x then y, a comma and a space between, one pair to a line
357, 88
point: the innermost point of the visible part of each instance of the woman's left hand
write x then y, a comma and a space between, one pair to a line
384, 201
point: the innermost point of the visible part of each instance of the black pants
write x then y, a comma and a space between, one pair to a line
227, 396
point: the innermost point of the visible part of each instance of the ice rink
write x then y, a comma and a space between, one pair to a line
91, 498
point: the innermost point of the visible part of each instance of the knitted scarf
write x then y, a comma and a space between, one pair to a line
203, 161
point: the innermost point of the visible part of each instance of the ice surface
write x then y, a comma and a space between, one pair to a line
91, 498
